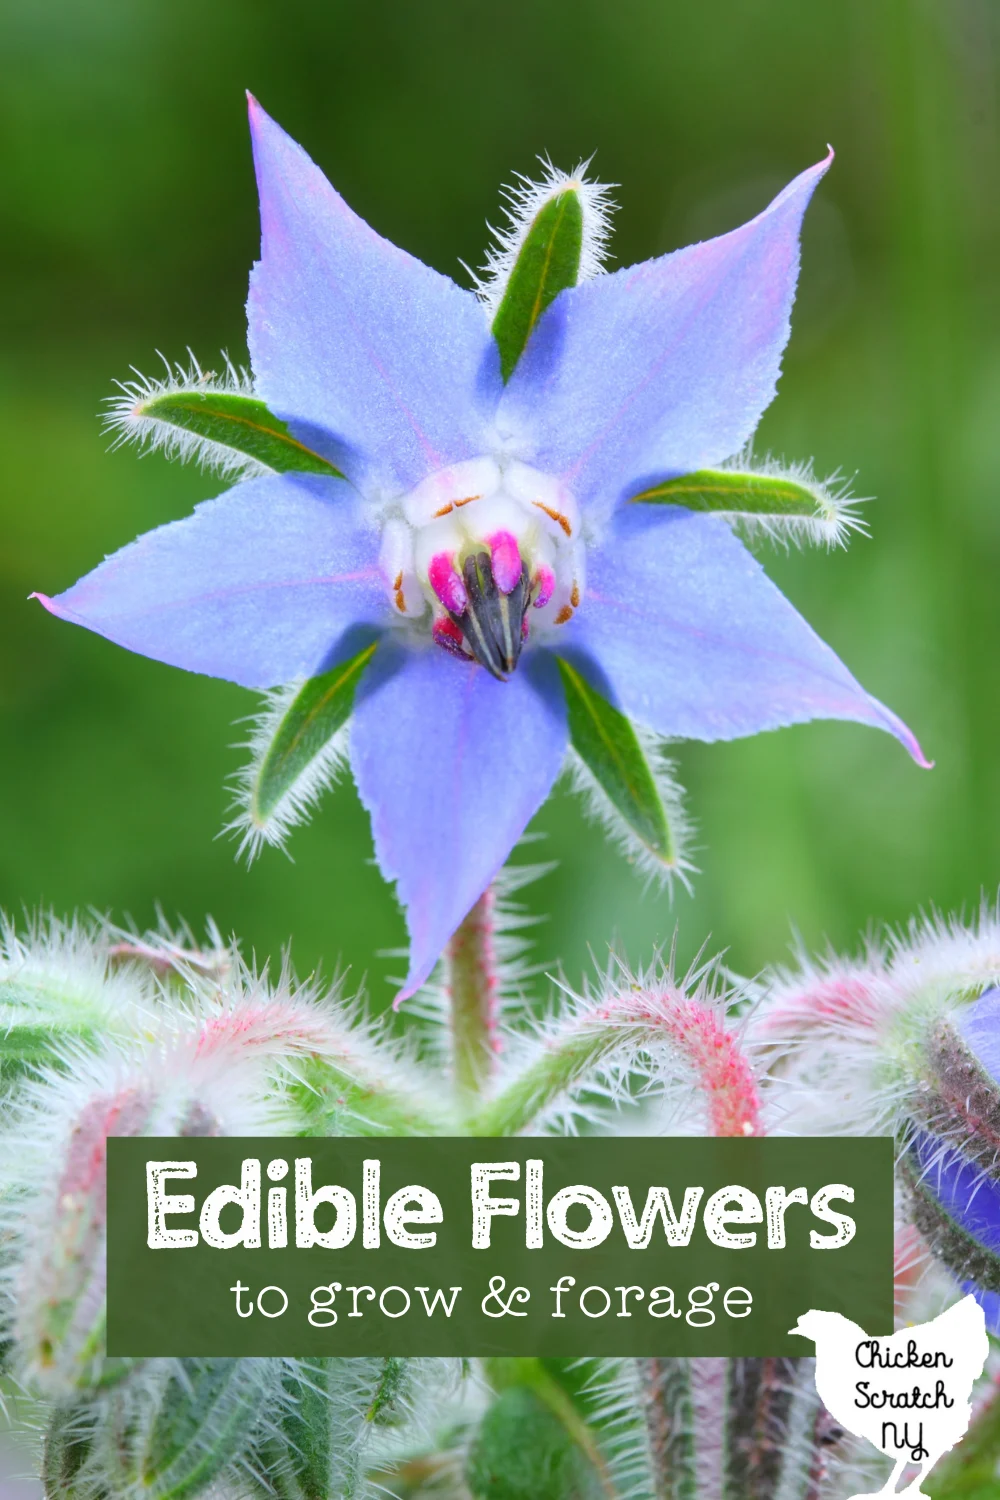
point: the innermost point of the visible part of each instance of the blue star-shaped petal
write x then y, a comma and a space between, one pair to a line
490, 519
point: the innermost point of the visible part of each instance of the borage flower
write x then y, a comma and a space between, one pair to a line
493, 530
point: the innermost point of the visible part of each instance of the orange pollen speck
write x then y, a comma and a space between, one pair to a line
574, 597
400, 601
555, 515
467, 501
564, 614
444, 511
397, 582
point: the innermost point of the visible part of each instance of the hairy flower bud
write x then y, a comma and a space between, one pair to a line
59, 987
950, 1136
206, 1075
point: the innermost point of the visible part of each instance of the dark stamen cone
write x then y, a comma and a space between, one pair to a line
492, 622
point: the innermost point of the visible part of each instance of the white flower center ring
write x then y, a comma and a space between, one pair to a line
481, 543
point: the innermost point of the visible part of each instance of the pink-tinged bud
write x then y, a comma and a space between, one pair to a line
59, 1289
506, 557
447, 584
544, 585
197, 1074
447, 634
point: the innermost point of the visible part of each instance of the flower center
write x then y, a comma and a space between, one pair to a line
495, 552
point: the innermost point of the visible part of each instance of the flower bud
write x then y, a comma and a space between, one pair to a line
209, 1077
950, 1137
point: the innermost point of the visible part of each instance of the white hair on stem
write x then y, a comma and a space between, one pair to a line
629, 1037
248, 823
836, 515
948, 952
61, 975
513, 969
129, 423
613, 1399
600, 809
524, 200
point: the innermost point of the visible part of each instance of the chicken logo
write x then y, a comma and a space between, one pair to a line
908, 1393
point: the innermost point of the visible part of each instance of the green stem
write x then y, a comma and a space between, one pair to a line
338, 1099
473, 998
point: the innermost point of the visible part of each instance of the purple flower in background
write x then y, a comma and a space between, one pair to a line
484, 527
952, 1148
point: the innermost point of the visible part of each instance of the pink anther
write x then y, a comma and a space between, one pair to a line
447, 584
506, 558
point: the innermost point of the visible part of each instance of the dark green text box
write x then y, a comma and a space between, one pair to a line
179, 1301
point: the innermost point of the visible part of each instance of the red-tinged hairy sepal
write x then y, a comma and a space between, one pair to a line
642, 1031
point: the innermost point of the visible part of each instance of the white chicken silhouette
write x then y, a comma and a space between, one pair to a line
877, 1387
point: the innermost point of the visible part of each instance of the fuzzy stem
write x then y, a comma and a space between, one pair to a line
472, 993
636, 1020
164, 958
335, 1078
733, 1429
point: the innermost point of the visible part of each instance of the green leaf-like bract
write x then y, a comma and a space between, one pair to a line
731, 492
66, 1449
609, 747
523, 1451
41, 1013
239, 422
317, 712
334, 1097
170, 1437
547, 262
317, 1450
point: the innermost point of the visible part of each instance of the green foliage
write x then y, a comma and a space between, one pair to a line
166, 1433
183, 1430
547, 262
238, 422
786, 504
65, 1452
732, 492
609, 747
969, 1471
317, 1451
32, 1032
524, 1451
49, 1005
332, 1098
319, 710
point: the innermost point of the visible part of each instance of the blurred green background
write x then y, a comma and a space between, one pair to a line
128, 224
